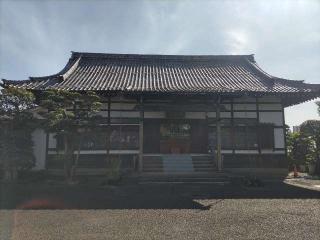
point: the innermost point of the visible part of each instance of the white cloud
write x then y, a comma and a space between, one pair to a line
238, 41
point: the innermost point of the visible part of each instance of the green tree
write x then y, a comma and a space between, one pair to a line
311, 130
16, 126
68, 112
298, 148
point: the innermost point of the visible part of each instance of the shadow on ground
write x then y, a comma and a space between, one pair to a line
145, 196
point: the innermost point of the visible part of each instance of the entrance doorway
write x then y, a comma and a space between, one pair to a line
175, 138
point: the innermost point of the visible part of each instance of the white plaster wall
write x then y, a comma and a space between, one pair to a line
278, 138
271, 117
226, 107
104, 105
101, 152
271, 151
245, 115
39, 148
211, 114
246, 151
102, 114
269, 106
154, 114
225, 114
244, 107
123, 106
269, 99
244, 99
226, 151
195, 115
125, 114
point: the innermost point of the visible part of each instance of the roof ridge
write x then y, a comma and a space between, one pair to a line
207, 57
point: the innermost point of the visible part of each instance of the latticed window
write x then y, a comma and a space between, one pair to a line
246, 137
94, 140
245, 132
176, 130
124, 137
226, 138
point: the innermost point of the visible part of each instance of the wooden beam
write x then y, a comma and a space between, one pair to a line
140, 163
219, 156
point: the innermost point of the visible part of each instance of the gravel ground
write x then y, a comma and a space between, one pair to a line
157, 212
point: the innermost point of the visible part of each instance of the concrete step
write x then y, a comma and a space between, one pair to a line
178, 163
178, 172
184, 179
182, 167
180, 160
195, 161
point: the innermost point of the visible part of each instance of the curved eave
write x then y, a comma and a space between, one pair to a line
43, 82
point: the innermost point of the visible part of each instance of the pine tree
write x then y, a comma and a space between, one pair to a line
16, 127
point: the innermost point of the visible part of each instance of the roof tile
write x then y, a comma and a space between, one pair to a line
164, 73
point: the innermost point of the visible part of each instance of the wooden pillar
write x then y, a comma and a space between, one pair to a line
284, 130
259, 161
108, 129
219, 156
258, 127
47, 150
140, 164
233, 130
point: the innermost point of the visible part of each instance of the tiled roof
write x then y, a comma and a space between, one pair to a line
164, 74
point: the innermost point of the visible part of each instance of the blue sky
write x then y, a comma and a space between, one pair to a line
37, 36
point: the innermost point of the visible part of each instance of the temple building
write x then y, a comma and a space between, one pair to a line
175, 113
